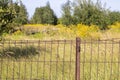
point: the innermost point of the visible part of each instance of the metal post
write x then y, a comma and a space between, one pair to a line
77, 69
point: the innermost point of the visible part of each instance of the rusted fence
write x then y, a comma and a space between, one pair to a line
100, 59
37, 60
60, 59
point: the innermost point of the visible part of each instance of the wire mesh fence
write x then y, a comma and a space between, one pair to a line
100, 60
57, 60
37, 60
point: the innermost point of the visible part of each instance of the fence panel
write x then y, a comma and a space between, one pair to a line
100, 60
37, 60
59, 60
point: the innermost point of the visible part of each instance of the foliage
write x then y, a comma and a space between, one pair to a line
6, 16
87, 12
67, 18
17, 52
87, 32
115, 28
65, 31
114, 16
22, 15
40, 31
44, 15
11, 15
60, 31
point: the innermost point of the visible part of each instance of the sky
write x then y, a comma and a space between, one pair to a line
113, 5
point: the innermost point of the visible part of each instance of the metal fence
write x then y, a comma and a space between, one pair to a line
37, 60
60, 59
100, 59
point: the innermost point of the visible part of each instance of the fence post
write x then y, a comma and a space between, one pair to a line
77, 65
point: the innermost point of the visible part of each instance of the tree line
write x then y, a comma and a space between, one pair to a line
79, 11
89, 13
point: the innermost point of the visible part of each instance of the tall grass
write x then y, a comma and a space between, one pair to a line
47, 61
48, 32
41, 61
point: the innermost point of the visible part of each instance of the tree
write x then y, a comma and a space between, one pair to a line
67, 18
88, 12
22, 15
44, 15
7, 15
114, 16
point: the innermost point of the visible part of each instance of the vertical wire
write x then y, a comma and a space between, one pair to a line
70, 60
98, 60
38, 58
14, 62
31, 60
7, 61
0, 67
119, 62
26, 45
84, 59
50, 62
63, 59
57, 56
105, 59
20, 61
91, 60
111, 61
44, 62
2, 61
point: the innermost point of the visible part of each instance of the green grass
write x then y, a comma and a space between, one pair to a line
57, 61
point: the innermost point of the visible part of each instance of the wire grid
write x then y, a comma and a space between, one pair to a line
100, 60
55, 60
37, 60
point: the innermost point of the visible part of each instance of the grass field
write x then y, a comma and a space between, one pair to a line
46, 60
50, 32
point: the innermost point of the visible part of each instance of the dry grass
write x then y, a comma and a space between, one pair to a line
98, 61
